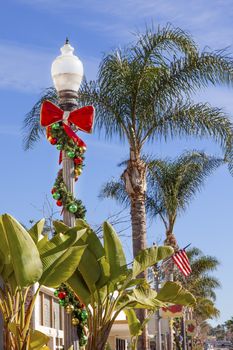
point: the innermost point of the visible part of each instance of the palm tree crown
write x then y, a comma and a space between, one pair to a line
202, 283
144, 91
174, 183
171, 184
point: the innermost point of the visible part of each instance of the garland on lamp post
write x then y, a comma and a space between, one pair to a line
59, 138
73, 306
65, 199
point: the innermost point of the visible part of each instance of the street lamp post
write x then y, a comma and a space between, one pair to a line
67, 74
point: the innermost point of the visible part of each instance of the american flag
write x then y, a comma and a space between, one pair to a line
181, 260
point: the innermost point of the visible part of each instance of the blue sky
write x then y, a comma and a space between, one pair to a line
31, 33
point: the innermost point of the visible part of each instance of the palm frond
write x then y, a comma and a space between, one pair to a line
115, 190
32, 129
173, 183
153, 42
206, 309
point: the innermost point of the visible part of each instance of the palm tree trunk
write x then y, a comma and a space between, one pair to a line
135, 182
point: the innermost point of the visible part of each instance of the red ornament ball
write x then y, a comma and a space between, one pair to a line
59, 203
53, 141
62, 295
78, 160
53, 190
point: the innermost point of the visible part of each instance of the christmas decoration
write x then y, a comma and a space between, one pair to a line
78, 160
79, 314
73, 208
53, 141
56, 195
66, 199
62, 295
60, 132
69, 309
75, 321
61, 127
71, 154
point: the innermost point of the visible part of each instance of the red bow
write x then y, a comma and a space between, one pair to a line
82, 118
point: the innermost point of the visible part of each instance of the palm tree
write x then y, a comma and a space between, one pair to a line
172, 184
202, 283
143, 93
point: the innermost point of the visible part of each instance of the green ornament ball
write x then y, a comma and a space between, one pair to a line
84, 315
56, 293
71, 154
56, 195
73, 208
59, 147
55, 126
62, 302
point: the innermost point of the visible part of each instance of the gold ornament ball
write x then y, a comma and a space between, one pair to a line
75, 321
82, 149
78, 171
69, 309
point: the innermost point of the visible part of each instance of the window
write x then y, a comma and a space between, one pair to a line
59, 344
47, 311
51, 313
120, 344
56, 314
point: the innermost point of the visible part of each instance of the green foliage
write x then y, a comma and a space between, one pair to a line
110, 285
20, 256
201, 283
173, 183
27, 257
147, 257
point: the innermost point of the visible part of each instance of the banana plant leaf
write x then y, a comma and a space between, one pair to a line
113, 250
131, 301
60, 227
77, 283
37, 230
38, 340
90, 270
104, 272
91, 239
149, 257
63, 267
133, 323
24, 255
52, 249
174, 293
